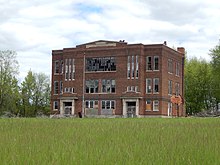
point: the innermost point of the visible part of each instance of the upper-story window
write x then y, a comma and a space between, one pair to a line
156, 85
61, 87
177, 69
169, 87
69, 69
108, 86
170, 66
56, 67
62, 66
137, 73
177, 86
56, 87
149, 65
148, 85
92, 86
156, 63
128, 68
132, 67
100, 64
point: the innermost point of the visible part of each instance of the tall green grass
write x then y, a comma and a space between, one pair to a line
110, 141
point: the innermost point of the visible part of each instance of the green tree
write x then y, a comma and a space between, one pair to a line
215, 63
198, 86
9, 91
35, 91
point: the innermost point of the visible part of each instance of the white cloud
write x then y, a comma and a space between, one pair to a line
34, 28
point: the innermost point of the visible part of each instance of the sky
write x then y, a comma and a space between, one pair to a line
33, 28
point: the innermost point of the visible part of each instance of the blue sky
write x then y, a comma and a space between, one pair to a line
34, 28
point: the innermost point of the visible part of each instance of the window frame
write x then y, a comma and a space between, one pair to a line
156, 103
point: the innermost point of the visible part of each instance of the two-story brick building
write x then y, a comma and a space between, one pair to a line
108, 78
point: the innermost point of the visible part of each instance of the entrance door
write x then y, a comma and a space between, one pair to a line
67, 108
131, 109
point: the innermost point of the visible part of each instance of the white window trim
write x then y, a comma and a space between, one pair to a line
154, 105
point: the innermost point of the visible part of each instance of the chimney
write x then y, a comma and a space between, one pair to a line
181, 50
165, 43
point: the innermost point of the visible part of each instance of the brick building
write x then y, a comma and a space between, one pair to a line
108, 78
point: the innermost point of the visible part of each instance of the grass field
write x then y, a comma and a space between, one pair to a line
110, 141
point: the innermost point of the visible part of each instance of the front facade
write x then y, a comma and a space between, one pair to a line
108, 78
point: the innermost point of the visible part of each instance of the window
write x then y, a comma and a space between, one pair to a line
170, 66
177, 86
148, 85
148, 105
66, 69
170, 87
156, 63
149, 66
92, 86
108, 86
100, 64
136, 88
69, 69
62, 67
155, 105
56, 87
69, 90
132, 66
128, 68
56, 67
137, 74
108, 104
156, 85
55, 105
91, 104
61, 87
177, 69
69, 72
73, 69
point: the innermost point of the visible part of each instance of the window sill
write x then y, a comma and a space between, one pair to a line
155, 110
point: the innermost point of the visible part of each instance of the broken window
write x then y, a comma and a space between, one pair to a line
148, 85
56, 67
62, 66
61, 87
108, 86
100, 64
149, 66
56, 87
156, 85
92, 86
92, 104
55, 105
132, 66
108, 104
156, 63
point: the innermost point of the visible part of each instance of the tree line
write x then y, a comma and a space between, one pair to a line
32, 96
26, 99
202, 83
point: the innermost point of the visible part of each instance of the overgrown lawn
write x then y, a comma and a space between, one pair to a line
110, 141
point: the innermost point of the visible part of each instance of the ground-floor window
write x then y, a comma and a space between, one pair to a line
55, 105
91, 107
148, 105
108, 107
155, 105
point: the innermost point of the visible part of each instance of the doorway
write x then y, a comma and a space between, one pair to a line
131, 109
67, 108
